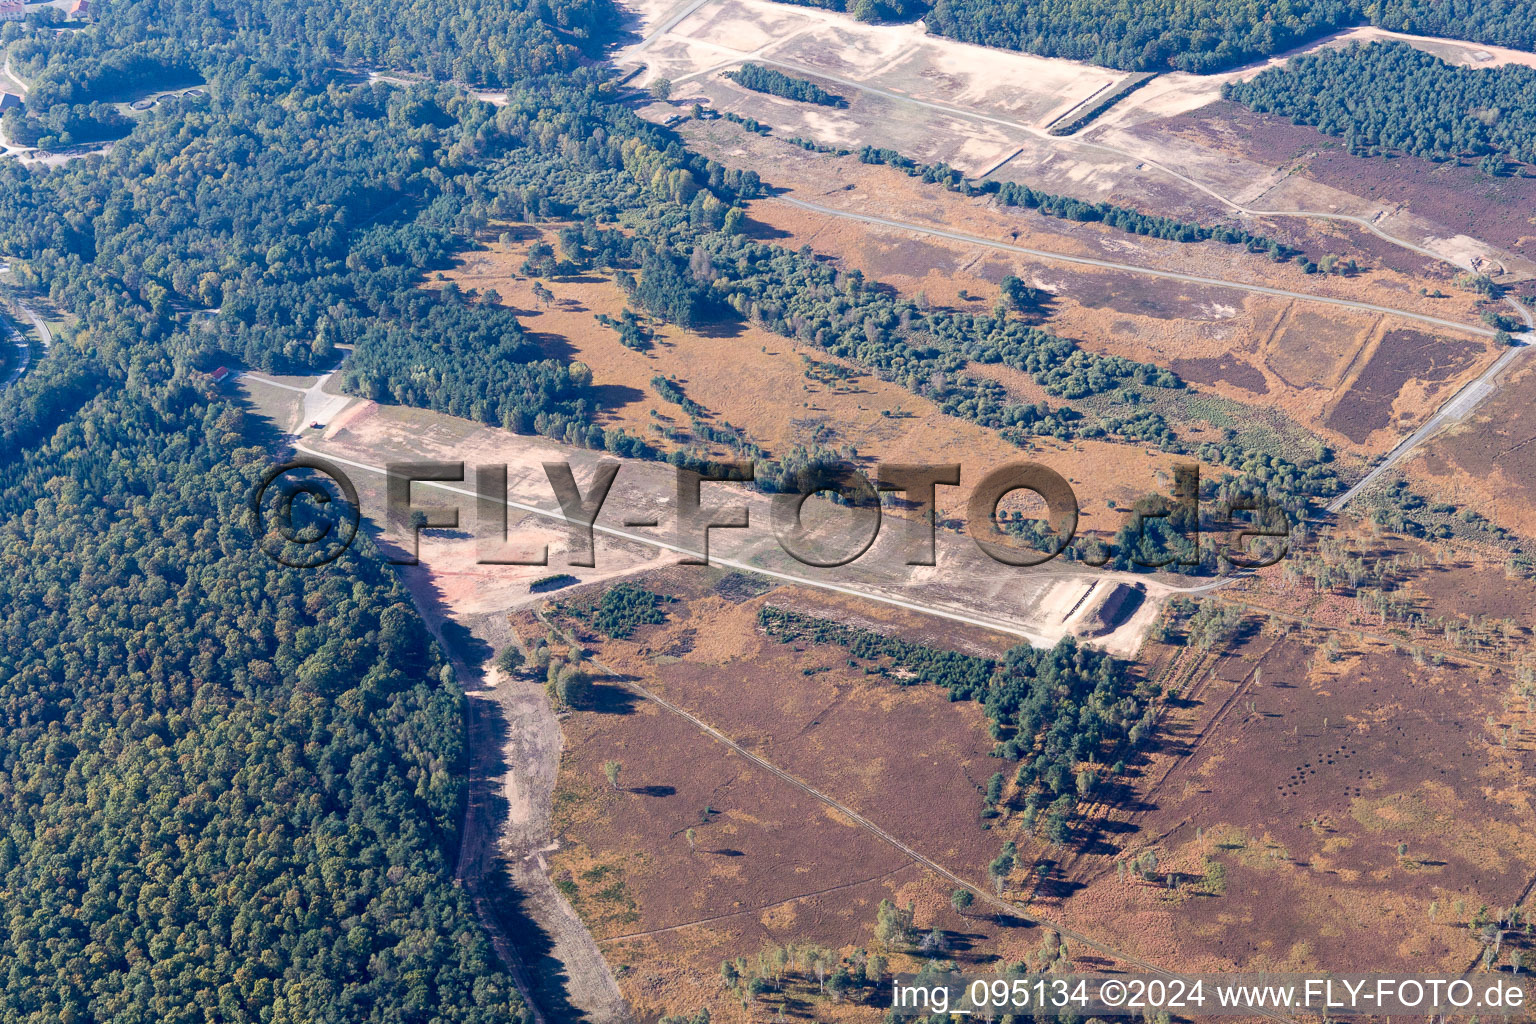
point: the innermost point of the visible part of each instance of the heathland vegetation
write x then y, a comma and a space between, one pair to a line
1068, 716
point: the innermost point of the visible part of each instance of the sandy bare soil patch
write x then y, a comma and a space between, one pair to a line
985, 110
964, 585
897, 58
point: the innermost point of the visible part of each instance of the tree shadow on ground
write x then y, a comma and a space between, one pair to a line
486, 876
608, 698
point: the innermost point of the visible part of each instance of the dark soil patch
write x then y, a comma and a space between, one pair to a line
1153, 297
1223, 369
1403, 355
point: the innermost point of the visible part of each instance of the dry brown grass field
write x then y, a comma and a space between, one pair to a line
771, 388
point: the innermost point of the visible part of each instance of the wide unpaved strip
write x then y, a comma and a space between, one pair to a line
514, 754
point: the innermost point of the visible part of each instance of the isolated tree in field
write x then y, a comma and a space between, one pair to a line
509, 659
572, 685
961, 900
542, 295
611, 771
661, 89
690, 835
1019, 295
1002, 865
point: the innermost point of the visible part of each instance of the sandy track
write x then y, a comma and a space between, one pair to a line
514, 744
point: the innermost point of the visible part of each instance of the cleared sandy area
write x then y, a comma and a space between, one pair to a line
1035, 603
905, 89
985, 112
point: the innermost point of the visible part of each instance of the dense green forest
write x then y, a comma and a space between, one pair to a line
777, 83
230, 791
1391, 97
1192, 35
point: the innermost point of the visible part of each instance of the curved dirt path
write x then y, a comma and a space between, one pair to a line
515, 743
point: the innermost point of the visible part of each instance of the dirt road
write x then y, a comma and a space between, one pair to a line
514, 745
1129, 268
